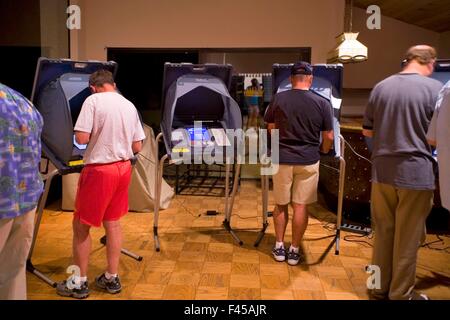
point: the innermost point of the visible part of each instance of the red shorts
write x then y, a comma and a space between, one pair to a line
103, 193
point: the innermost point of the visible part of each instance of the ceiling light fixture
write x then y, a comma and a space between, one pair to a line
348, 49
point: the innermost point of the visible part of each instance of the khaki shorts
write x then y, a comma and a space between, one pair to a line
296, 184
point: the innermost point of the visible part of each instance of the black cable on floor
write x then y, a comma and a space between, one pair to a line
439, 240
356, 239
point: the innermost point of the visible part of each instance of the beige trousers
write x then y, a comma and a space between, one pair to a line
398, 218
15, 242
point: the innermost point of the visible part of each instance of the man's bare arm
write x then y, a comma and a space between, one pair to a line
432, 143
82, 137
327, 141
136, 146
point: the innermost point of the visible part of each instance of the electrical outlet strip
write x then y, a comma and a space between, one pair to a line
355, 229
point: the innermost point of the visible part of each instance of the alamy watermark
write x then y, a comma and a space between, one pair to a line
74, 279
374, 20
374, 280
74, 20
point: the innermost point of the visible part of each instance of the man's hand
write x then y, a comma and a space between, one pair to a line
432, 143
136, 147
367, 133
82, 137
327, 141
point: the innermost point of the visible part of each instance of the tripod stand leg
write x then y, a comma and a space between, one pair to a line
261, 234
265, 205
337, 239
227, 226
124, 251
235, 187
30, 268
39, 213
229, 206
158, 187
340, 193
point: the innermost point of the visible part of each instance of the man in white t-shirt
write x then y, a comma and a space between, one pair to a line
111, 127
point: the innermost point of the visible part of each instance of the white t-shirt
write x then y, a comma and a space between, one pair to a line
114, 125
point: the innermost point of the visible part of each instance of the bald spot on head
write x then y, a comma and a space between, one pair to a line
422, 54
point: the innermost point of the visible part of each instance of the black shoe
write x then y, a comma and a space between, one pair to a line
64, 289
378, 296
112, 285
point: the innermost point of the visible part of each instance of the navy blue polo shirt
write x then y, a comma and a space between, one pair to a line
300, 116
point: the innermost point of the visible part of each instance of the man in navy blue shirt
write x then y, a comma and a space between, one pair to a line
20, 188
301, 116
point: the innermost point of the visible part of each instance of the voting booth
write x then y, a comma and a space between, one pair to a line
60, 88
327, 83
439, 219
197, 111
196, 93
442, 71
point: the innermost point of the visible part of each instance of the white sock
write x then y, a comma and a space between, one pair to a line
279, 245
292, 248
109, 276
77, 280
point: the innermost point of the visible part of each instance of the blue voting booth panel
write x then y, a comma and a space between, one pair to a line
442, 71
60, 88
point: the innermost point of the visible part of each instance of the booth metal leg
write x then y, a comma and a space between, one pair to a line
235, 187
265, 205
228, 205
158, 188
124, 251
39, 213
340, 194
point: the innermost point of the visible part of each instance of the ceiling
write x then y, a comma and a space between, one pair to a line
429, 14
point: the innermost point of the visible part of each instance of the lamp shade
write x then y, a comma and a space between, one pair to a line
348, 50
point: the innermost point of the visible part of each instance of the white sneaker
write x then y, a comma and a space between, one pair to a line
279, 254
418, 296
293, 257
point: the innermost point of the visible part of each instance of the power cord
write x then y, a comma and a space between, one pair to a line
244, 218
329, 167
353, 238
439, 240
353, 150
186, 209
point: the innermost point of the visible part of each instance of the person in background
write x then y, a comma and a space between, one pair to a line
301, 116
20, 188
397, 116
439, 137
254, 94
111, 127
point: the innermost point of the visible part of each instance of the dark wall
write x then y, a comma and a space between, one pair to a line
140, 74
20, 43
20, 23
